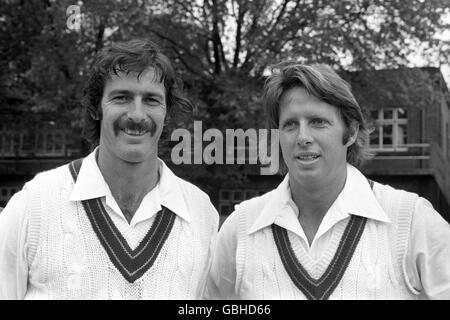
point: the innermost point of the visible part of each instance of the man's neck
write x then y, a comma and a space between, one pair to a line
129, 182
314, 199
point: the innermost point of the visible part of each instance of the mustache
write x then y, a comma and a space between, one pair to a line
147, 125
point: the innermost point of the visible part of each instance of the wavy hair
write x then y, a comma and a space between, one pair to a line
325, 84
134, 56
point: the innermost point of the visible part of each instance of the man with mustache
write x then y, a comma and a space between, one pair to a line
117, 224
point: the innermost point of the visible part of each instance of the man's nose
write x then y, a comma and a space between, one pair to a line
137, 111
304, 136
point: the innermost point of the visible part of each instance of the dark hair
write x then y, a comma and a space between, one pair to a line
134, 56
325, 84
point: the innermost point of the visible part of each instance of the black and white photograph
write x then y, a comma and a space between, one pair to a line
214, 150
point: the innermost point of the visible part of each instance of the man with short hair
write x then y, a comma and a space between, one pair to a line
117, 224
327, 232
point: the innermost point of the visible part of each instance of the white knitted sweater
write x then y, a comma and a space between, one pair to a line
375, 271
67, 261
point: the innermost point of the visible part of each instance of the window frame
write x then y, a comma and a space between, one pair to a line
395, 122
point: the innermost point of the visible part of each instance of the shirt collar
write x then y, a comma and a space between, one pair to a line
90, 184
279, 209
356, 198
170, 191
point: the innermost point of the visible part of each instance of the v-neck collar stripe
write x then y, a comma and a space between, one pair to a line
132, 264
106, 219
292, 257
325, 285
159, 244
115, 259
97, 223
128, 263
290, 271
130, 252
346, 259
340, 249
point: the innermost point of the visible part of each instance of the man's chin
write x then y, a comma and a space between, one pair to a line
137, 155
310, 175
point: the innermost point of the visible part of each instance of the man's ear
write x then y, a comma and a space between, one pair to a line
94, 114
352, 134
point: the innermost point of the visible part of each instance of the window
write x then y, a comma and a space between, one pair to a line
7, 142
50, 142
23, 142
391, 129
228, 198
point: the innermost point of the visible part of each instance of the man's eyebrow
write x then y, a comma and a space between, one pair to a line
311, 115
319, 115
143, 93
289, 118
152, 94
119, 91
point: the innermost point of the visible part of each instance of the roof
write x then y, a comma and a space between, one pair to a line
398, 87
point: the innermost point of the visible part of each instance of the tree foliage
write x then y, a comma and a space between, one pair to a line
209, 38
241, 36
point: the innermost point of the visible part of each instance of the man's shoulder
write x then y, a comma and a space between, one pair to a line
388, 190
395, 200
195, 197
199, 203
190, 188
51, 177
254, 205
413, 199
246, 213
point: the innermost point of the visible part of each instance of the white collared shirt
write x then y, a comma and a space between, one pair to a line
91, 184
427, 261
355, 198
